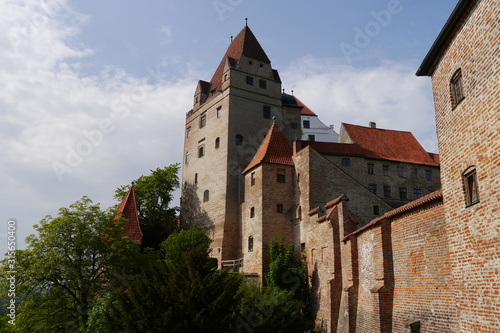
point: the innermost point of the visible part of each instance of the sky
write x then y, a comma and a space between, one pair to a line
93, 94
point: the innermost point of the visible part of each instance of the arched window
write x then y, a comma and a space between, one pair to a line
217, 143
250, 244
206, 196
456, 88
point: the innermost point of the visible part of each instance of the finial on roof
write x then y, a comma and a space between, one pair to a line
292, 92
274, 119
283, 90
246, 21
231, 39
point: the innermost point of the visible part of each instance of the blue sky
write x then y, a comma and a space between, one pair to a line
94, 93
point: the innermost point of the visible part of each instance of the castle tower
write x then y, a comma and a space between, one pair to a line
230, 116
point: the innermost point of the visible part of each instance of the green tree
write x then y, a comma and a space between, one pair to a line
286, 270
154, 194
74, 258
182, 293
270, 310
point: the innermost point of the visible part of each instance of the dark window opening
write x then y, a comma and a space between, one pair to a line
403, 193
387, 191
471, 186
376, 210
401, 172
311, 137
249, 80
263, 84
252, 212
252, 179
280, 176
346, 161
371, 169
457, 94
279, 208
306, 124
239, 140
417, 193
217, 143
206, 196
372, 188
250, 244
266, 112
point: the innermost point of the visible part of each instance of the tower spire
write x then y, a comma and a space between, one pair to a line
246, 21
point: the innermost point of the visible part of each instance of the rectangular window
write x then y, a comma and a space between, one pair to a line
219, 111
385, 170
457, 94
280, 176
414, 174
250, 244
279, 208
187, 158
417, 193
252, 212
428, 175
201, 151
203, 120
249, 80
471, 186
376, 210
188, 132
293, 125
263, 84
238, 140
387, 191
266, 112
401, 172
252, 179
306, 124
371, 168
311, 137
372, 188
346, 161
403, 193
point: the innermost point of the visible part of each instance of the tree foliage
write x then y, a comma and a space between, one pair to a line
154, 194
286, 270
74, 258
182, 293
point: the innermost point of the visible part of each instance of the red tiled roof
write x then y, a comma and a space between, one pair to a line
128, 209
400, 210
273, 149
305, 110
389, 145
244, 44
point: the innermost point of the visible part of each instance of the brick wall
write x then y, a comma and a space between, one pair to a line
469, 135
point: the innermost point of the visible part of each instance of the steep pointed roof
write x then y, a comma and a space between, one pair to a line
305, 110
273, 149
128, 210
389, 144
244, 44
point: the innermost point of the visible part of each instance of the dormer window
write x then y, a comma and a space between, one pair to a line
457, 94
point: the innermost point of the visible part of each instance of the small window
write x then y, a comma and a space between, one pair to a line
239, 140
252, 212
401, 172
279, 208
195, 178
252, 179
403, 193
457, 94
428, 175
376, 210
203, 120
201, 151
249, 80
346, 161
250, 62
417, 193
387, 191
385, 170
414, 174
471, 186
280, 176
371, 168
293, 125
188, 132
206, 196
263, 84
266, 112
225, 77
261, 65
311, 137
299, 213
306, 124
187, 158
217, 143
250, 244
372, 188
219, 111
298, 178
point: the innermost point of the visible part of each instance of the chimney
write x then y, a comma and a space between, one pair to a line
373, 124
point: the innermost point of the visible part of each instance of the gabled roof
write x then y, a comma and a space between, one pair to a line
128, 210
305, 110
274, 149
389, 145
244, 44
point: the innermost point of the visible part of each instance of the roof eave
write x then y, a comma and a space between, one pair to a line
440, 44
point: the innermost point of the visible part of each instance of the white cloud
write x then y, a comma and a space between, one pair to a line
166, 32
389, 94
119, 126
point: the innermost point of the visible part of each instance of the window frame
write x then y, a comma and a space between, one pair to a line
203, 120
306, 121
456, 88
249, 80
281, 176
346, 161
370, 168
471, 186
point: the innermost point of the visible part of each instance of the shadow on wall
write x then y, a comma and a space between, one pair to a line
191, 211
